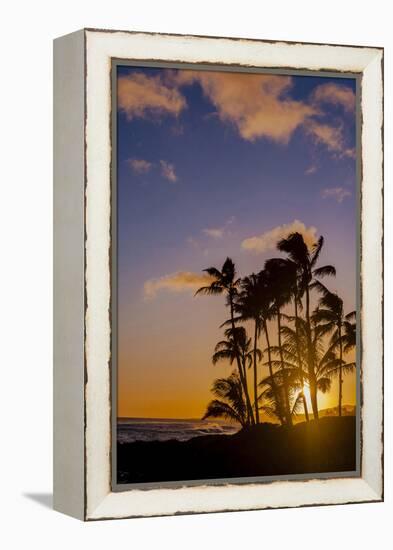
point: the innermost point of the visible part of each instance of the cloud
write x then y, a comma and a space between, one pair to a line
181, 281
350, 152
269, 239
311, 170
168, 171
140, 95
140, 166
219, 232
214, 232
257, 105
330, 136
336, 193
335, 94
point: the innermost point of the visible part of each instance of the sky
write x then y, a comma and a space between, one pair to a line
215, 164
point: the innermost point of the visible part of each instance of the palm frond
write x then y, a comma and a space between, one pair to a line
220, 409
324, 384
326, 270
213, 289
297, 404
316, 250
213, 272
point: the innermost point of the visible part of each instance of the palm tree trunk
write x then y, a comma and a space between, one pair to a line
340, 378
255, 373
271, 374
286, 389
247, 393
310, 356
243, 377
299, 359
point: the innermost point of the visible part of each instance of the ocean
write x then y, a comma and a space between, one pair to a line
161, 429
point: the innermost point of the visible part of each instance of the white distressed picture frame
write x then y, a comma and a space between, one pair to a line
82, 241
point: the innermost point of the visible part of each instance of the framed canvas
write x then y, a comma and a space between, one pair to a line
218, 330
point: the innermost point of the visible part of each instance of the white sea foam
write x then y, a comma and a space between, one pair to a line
131, 429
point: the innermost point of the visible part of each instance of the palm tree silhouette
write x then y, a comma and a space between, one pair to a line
231, 404
280, 275
349, 335
225, 282
294, 350
270, 404
302, 357
326, 361
237, 342
268, 313
306, 261
271, 397
250, 306
330, 316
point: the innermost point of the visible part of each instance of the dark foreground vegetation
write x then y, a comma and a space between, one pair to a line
317, 446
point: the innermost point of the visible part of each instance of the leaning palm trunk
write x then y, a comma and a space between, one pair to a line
255, 373
274, 387
310, 357
242, 375
299, 358
288, 414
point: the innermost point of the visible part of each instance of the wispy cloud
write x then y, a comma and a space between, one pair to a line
336, 193
181, 281
269, 239
219, 232
214, 232
140, 166
335, 94
140, 95
350, 153
330, 136
168, 171
311, 170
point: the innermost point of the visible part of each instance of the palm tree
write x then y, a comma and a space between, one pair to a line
330, 316
268, 313
249, 306
349, 335
280, 276
306, 261
275, 386
255, 303
237, 342
271, 398
326, 362
294, 350
231, 404
225, 282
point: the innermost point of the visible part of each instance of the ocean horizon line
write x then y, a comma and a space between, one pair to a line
171, 419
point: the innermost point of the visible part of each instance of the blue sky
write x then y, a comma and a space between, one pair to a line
208, 166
